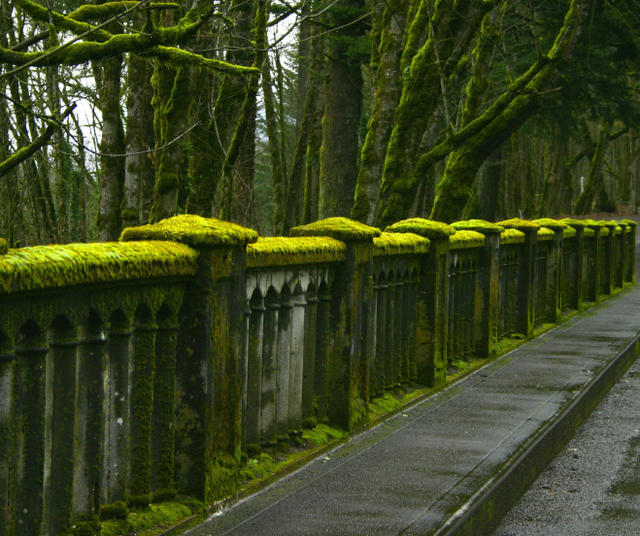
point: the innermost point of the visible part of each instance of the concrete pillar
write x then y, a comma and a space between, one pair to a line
350, 319
377, 366
209, 355
630, 250
431, 332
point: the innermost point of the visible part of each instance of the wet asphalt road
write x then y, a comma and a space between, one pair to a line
593, 486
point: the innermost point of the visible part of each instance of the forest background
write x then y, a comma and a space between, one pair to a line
273, 113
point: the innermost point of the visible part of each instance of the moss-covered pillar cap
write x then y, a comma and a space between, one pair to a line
433, 230
576, 224
194, 231
525, 226
339, 228
480, 226
557, 226
3, 246
629, 223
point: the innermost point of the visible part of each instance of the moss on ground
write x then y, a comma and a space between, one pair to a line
152, 520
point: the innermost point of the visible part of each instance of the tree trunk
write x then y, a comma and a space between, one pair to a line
386, 94
112, 143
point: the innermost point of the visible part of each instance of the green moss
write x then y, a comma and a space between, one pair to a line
3, 246
278, 251
630, 223
593, 224
481, 226
116, 510
466, 239
517, 223
569, 232
193, 230
428, 228
589, 232
545, 234
76, 264
605, 231
383, 405
341, 228
550, 223
399, 244
511, 236
323, 434
576, 224
618, 230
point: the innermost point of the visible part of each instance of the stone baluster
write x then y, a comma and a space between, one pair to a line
162, 431
296, 363
91, 366
29, 396
381, 349
282, 367
141, 368
254, 373
115, 460
59, 485
7, 433
308, 366
269, 370
391, 354
323, 335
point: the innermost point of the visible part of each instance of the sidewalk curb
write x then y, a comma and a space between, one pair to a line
482, 512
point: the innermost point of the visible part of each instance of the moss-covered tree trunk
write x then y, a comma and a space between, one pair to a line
386, 65
112, 143
499, 123
452, 26
342, 107
139, 173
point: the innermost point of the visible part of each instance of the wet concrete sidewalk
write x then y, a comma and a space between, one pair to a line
454, 462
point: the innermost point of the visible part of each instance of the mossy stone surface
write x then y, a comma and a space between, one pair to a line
589, 232
3, 246
400, 244
550, 223
481, 226
576, 224
520, 224
511, 236
430, 229
281, 251
544, 234
466, 239
337, 227
630, 223
77, 264
192, 230
569, 232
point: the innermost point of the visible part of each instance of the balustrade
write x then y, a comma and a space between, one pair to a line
135, 370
